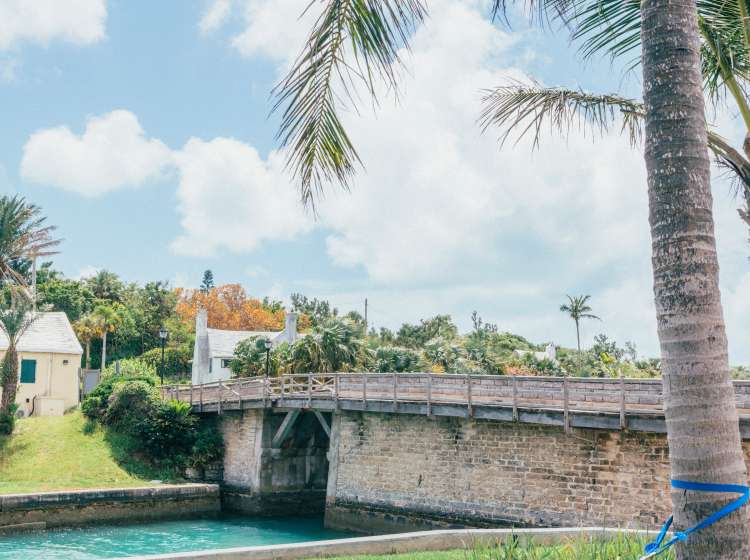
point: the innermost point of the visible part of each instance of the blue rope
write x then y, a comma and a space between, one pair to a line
658, 546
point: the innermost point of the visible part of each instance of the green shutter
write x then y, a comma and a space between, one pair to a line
28, 371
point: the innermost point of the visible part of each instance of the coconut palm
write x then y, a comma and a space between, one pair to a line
14, 322
331, 347
613, 27
87, 328
107, 319
359, 40
578, 308
24, 236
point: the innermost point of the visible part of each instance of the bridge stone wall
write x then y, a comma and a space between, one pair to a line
392, 472
263, 479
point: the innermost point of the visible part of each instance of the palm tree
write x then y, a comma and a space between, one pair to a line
578, 308
23, 237
613, 27
331, 347
107, 319
14, 322
356, 40
87, 328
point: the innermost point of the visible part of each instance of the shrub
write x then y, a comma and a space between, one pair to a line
176, 360
130, 402
8, 420
94, 405
169, 431
208, 446
131, 367
397, 359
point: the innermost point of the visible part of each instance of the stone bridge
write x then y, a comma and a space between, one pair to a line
385, 452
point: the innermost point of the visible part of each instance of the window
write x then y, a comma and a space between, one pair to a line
225, 362
28, 371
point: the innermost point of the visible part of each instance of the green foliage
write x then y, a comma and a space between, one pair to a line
69, 296
318, 310
106, 286
94, 405
130, 403
397, 359
208, 446
8, 420
132, 367
416, 336
167, 431
332, 346
250, 358
176, 360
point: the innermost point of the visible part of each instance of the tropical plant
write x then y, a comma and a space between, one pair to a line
397, 359
87, 328
614, 27
24, 236
207, 284
15, 320
359, 40
578, 308
106, 285
108, 318
332, 346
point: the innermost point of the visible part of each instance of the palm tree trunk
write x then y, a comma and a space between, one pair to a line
10, 378
699, 401
578, 335
104, 350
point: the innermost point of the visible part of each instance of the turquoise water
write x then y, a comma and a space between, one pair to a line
114, 541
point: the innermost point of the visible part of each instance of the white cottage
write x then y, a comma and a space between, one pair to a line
214, 348
49, 356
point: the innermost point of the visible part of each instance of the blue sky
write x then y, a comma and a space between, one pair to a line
143, 130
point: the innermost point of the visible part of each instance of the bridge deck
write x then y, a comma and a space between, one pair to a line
613, 404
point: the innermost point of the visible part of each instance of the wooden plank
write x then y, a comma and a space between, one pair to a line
429, 394
336, 389
309, 390
623, 418
566, 405
323, 422
468, 394
394, 380
286, 426
364, 390
515, 398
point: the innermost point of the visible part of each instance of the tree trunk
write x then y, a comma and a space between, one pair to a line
104, 351
578, 335
10, 379
699, 401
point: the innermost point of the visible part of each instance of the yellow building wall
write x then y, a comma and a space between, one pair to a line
55, 379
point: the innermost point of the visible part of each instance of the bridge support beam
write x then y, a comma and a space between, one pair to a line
285, 429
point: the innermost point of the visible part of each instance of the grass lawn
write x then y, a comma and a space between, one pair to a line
619, 548
64, 453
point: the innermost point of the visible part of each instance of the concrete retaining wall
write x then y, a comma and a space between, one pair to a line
395, 544
55, 509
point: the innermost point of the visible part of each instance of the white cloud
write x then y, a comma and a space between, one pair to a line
87, 272
112, 153
81, 22
230, 198
216, 14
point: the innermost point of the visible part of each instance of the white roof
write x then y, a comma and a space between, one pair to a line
221, 344
50, 332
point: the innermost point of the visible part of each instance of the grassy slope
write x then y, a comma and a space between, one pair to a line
61, 453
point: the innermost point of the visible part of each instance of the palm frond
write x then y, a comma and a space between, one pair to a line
525, 109
320, 150
724, 59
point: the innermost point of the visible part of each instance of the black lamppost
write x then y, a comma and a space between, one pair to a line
267, 343
163, 334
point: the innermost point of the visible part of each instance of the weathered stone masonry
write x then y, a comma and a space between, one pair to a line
393, 471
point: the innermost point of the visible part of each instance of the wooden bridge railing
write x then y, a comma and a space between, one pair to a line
558, 393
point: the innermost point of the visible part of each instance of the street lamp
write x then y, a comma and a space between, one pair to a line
267, 343
164, 335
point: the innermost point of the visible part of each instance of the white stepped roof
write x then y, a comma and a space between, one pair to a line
222, 343
50, 332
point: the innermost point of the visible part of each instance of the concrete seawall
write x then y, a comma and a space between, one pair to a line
78, 507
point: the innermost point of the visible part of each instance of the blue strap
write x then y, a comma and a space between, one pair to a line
658, 546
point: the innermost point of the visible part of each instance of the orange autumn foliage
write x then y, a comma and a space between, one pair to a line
228, 308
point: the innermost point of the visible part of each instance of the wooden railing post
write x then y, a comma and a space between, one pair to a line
468, 394
395, 392
201, 396
191, 396
309, 390
566, 405
429, 394
623, 418
281, 396
364, 390
515, 398
221, 396
336, 389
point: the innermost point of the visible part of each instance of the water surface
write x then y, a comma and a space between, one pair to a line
114, 541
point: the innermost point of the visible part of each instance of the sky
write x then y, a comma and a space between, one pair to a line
144, 131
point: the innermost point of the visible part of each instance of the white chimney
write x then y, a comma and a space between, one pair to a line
201, 351
290, 327
201, 322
